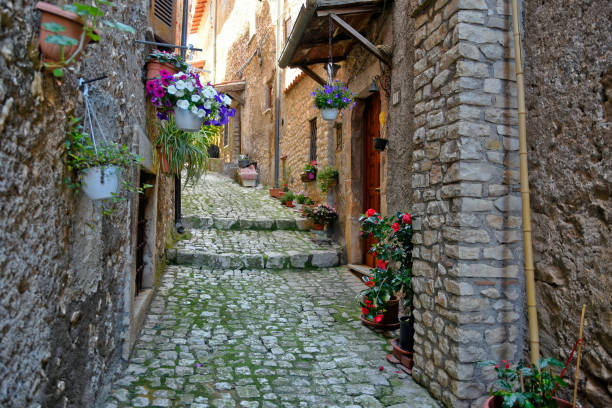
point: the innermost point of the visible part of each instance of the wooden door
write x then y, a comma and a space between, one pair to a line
371, 166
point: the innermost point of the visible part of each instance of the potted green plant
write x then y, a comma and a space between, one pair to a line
99, 166
331, 98
159, 60
326, 178
287, 199
526, 386
301, 199
243, 161
310, 172
66, 31
178, 150
322, 215
390, 278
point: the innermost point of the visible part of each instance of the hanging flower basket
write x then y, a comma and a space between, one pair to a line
161, 60
72, 24
186, 120
100, 183
329, 114
155, 67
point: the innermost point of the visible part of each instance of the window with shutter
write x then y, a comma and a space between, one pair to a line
162, 17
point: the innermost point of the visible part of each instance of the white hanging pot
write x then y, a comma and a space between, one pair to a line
329, 113
98, 185
187, 120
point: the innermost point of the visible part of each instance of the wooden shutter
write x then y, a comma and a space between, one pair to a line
162, 17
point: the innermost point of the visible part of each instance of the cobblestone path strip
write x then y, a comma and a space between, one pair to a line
217, 200
259, 338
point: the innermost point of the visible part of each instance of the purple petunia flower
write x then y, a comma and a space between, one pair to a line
164, 74
162, 116
159, 92
329, 101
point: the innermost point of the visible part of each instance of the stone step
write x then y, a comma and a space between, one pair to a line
246, 223
255, 249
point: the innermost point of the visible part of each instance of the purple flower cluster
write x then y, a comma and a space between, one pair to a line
333, 96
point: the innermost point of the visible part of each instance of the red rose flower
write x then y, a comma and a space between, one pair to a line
381, 368
407, 218
507, 366
374, 253
364, 311
395, 227
382, 264
368, 302
370, 212
378, 318
369, 283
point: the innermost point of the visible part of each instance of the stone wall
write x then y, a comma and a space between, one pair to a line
468, 252
568, 73
67, 268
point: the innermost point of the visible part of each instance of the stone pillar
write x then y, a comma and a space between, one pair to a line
468, 260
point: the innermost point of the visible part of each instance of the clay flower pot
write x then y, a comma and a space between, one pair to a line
70, 21
318, 227
389, 320
163, 159
496, 402
155, 67
289, 203
276, 192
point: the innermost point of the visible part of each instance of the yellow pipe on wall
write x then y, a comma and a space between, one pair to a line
532, 313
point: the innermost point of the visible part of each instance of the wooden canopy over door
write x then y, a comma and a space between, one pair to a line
371, 166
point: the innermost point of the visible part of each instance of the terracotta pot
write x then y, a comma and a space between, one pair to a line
276, 192
155, 67
289, 203
163, 160
496, 402
70, 21
318, 227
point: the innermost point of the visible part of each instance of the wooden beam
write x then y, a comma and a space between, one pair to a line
325, 41
235, 97
312, 74
361, 39
299, 64
353, 10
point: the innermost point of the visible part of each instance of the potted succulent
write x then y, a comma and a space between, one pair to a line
322, 215
390, 278
178, 150
98, 166
158, 60
526, 386
287, 199
243, 161
327, 177
331, 98
192, 103
66, 31
310, 172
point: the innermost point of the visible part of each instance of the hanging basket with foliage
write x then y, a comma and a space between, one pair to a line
162, 60
330, 99
326, 178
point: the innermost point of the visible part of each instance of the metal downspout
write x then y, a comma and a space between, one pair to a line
279, 5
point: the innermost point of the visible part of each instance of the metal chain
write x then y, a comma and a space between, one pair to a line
91, 113
330, 64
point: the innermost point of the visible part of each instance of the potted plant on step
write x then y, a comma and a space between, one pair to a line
287, 199
66, 31
326, 178
191, 103
310, 172
98, 166
332, 98
179, 151
244, 161
390, 279
301, 199
525, 386
322, 215
162, 60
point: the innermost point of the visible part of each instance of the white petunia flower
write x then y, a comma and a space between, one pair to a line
195, 98
227, 100
172, 90
180, 93
194, 110
207, 105
189, 86
209, 92
180, 84
201, 113
183, 104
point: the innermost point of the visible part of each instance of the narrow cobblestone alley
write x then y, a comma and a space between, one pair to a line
244, 320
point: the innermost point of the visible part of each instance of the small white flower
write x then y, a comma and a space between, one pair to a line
172, 90
194, 110
227, 100
201, 113
180, 85
180, 93
189, 86
183, 104
209, 92
195, 98
207, 105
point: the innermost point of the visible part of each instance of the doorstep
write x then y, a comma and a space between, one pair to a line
361, 270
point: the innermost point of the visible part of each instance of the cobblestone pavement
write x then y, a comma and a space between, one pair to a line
237, 324
257, 338
216, 197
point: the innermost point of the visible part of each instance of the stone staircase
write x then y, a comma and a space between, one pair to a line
234, 227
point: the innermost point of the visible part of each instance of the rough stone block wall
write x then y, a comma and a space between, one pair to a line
467, 206
568, 78
65, 266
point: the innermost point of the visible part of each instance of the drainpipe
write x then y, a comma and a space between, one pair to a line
214, 45
532, 312
279, 5
177, 179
